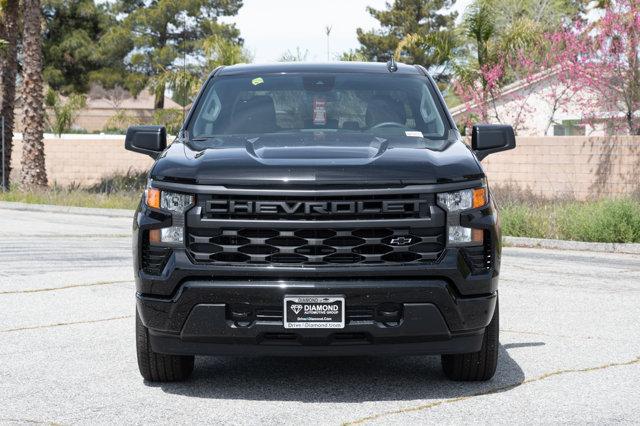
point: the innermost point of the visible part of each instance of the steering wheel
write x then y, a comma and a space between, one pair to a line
387, 124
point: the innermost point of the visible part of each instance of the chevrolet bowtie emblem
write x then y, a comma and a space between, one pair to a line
400, 241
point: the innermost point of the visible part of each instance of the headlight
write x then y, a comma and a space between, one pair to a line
175, 203
173, 234
458, 201
463, 200
459, 235
172, 201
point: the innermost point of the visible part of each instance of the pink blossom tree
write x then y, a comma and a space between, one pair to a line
609, 68
478, 90
557, 61
596, 67
515, 78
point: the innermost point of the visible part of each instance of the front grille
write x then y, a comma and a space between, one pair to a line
345, 207
315, 247
153, 258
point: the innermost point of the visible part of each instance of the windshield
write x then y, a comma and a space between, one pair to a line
379, 105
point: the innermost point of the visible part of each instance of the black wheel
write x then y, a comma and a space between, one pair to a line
476, 366
156, 367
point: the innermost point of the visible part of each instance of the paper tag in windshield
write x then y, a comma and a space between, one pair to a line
319, 112
413, 133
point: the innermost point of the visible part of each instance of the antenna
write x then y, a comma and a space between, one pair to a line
184, 66
327, 30
392, 66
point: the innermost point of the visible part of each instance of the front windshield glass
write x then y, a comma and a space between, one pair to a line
379, 105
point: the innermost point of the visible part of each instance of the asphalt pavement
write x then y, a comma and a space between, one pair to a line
570, 346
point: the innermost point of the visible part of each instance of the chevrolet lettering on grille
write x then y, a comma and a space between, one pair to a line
313, 207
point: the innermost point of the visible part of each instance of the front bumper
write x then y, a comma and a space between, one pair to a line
200, 319
189, 306
452, 266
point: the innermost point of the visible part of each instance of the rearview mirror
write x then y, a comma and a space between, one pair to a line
149, 140
489, 138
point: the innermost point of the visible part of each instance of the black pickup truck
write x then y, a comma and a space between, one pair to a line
317, 210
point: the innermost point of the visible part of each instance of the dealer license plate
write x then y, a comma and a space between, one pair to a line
314, 312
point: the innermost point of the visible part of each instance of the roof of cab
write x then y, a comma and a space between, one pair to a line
321, 67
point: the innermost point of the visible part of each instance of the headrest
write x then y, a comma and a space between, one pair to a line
383, 109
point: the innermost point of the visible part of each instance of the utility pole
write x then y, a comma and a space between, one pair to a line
327, 30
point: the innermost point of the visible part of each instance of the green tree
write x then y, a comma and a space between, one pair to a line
64, 112
186, 80
442, 47
168, 35
422, 24
171, 119
74, 55
353, 56
219, 50
499, 28
112, 49
503, 41
297, 55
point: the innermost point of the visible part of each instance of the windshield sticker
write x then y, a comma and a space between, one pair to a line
413, 133
256, 81
319, 112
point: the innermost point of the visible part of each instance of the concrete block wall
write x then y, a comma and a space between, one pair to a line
83, 159
97, 119
577, 166
580, 167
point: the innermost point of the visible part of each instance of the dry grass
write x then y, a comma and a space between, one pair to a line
113, 192
522, 214
79, 198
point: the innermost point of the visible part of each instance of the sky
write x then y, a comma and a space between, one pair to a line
271, 27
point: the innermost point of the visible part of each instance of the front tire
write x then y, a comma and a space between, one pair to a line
476, 366
155, 367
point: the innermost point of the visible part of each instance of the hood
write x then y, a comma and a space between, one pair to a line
322, 158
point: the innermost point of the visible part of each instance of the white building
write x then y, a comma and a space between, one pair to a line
541, 105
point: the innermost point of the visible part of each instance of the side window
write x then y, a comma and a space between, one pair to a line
429, 113
209, 113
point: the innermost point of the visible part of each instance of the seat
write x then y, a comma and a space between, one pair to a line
384, 109
254, 115
351, 125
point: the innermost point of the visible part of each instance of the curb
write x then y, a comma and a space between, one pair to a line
46, 208
628, 248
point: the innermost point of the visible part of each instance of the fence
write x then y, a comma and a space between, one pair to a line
580, 167
574, 166
82, 159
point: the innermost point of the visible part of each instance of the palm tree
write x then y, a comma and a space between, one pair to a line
480, 26
439, 47
34, 173
8, 55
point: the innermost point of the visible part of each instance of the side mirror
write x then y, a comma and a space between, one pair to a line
489, 138
149, 140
